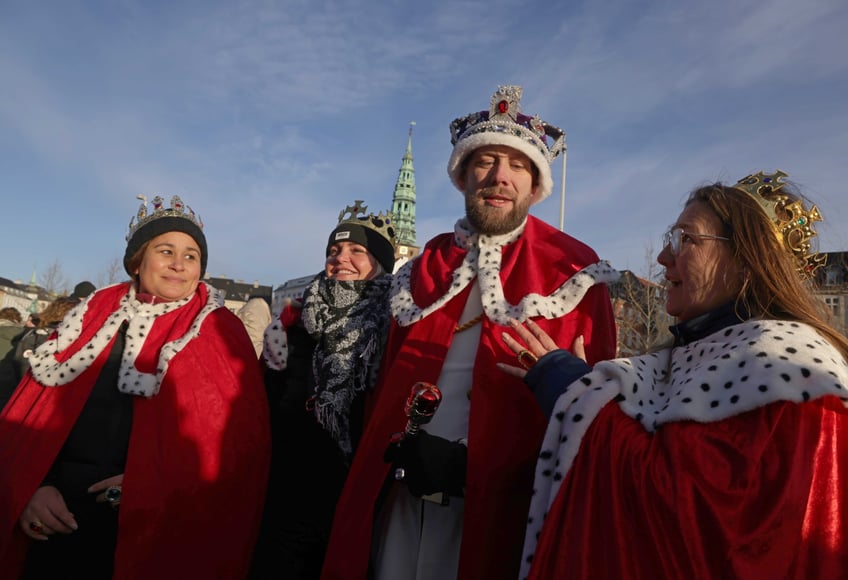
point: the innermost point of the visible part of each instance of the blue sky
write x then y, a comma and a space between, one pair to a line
268, 118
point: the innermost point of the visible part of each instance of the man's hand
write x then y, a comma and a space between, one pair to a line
46, 514
110, 483
430, 464
538, 342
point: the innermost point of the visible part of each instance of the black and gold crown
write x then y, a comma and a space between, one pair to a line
375, 232
158, 210
793, 224
382, 223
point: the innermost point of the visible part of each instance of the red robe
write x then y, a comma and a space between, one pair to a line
505, 425
645, 505
724, 457
198, 454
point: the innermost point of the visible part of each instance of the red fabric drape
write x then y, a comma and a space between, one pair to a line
758, 495
197, 462
505, 426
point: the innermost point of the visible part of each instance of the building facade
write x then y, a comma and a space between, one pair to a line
832, 287
237, 292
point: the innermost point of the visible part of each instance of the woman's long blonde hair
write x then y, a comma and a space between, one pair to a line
772, 287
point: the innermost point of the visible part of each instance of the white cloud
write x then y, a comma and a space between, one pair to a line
269, 117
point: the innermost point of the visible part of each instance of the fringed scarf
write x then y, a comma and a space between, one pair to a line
349, 320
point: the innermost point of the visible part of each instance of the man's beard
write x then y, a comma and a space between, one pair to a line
491, 221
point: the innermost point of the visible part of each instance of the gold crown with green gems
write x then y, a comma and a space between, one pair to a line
792, 222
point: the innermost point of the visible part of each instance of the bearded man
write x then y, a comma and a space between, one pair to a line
452, 501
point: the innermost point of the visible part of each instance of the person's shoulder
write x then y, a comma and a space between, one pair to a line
222, 326
29, 341
32, 335
223, 315
440, 239
10, 330
577, 252
255, 306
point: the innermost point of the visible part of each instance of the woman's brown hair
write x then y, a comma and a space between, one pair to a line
773, 287
56, 311
134, 263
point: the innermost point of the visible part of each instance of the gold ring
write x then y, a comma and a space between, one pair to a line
526, 358
37, 527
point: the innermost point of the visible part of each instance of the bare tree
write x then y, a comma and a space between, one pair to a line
53, 280
114, 273
639, 308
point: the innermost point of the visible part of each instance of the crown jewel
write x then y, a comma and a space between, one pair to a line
158, 210
793, 223
381, 223
504, 116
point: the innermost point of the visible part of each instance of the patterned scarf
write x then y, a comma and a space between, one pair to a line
349, 320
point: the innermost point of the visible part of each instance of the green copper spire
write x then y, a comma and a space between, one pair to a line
403, 200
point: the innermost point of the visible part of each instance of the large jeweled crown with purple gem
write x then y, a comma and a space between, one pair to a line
505, 116
793, 224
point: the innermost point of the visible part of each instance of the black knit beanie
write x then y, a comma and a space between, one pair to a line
162, 225
376, 243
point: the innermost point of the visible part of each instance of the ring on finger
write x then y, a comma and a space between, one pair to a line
37, 527
113, 495
526, 358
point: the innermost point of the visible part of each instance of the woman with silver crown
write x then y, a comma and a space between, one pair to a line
723, 454
137, 445
322, 359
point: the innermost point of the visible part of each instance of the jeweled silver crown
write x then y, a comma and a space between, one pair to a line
504, 116
158, 210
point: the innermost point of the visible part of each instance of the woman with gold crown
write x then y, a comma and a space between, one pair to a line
322, 359
137, 445
722, 455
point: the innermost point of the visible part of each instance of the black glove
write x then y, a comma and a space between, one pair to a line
431, 464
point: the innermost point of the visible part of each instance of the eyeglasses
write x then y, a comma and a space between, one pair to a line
673, 239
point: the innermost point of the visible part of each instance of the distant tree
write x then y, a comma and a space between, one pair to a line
639, 308
114, 273
53, 279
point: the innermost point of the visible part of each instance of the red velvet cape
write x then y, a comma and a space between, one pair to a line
197, 463
758, 495
506, 425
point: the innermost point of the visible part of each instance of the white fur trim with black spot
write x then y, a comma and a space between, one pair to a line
735, 370
467, 145
275, 347
483, 260
141, 317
